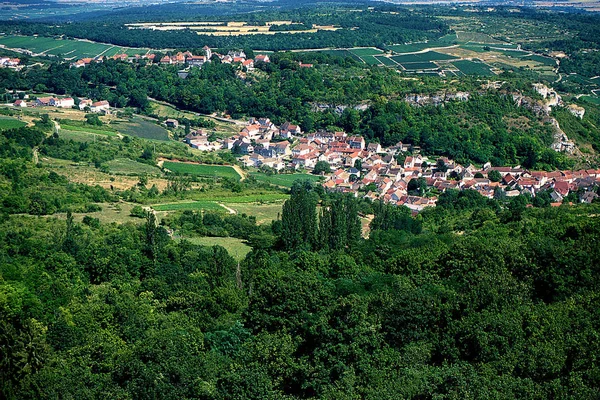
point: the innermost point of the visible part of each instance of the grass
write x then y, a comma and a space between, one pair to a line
143, 129
592, 99
217, 171
126, 166
235, 247
87, 129
191, 205
10, 123
421, 57
264, 213
473, 68
286, 180
419, 66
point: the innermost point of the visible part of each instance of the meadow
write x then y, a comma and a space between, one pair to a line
237, 248
213, 171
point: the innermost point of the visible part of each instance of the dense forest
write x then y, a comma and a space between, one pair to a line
475, 298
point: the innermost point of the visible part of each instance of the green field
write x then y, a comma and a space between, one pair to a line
444, 41
243, 202
67, 48
541, 59
10, 123
591, 99
365, 51
422, 57
370, 60
216, 171
143, 129
91, 130
235, 247
419, 66
473, 68
264, 213
126, 166
388, 62
283, 179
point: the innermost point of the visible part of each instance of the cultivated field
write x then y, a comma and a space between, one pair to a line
125, 166
142, 128
212, 171
419, 66
10, 123
218, 28
422, 57
66, 48
473, 68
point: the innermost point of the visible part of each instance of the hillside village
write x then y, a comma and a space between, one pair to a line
184, 59
398, 174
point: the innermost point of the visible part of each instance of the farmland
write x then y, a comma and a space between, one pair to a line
473, 68
126, 166
220, 28
142, 128
214, 171
66, 48
421, 57
419, 66
10, 123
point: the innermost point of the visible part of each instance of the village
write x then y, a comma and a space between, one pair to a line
398, 174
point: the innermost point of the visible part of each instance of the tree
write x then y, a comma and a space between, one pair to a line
299, 217
322, 167
494, 175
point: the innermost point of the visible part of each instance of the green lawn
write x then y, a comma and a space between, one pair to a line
283, 179
235, 247
216, 171
10, 123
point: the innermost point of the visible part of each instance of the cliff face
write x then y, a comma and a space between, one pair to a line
436, 99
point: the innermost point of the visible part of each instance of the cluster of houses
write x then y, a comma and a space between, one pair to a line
7, 62
376, 173
65, 102
183, 58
